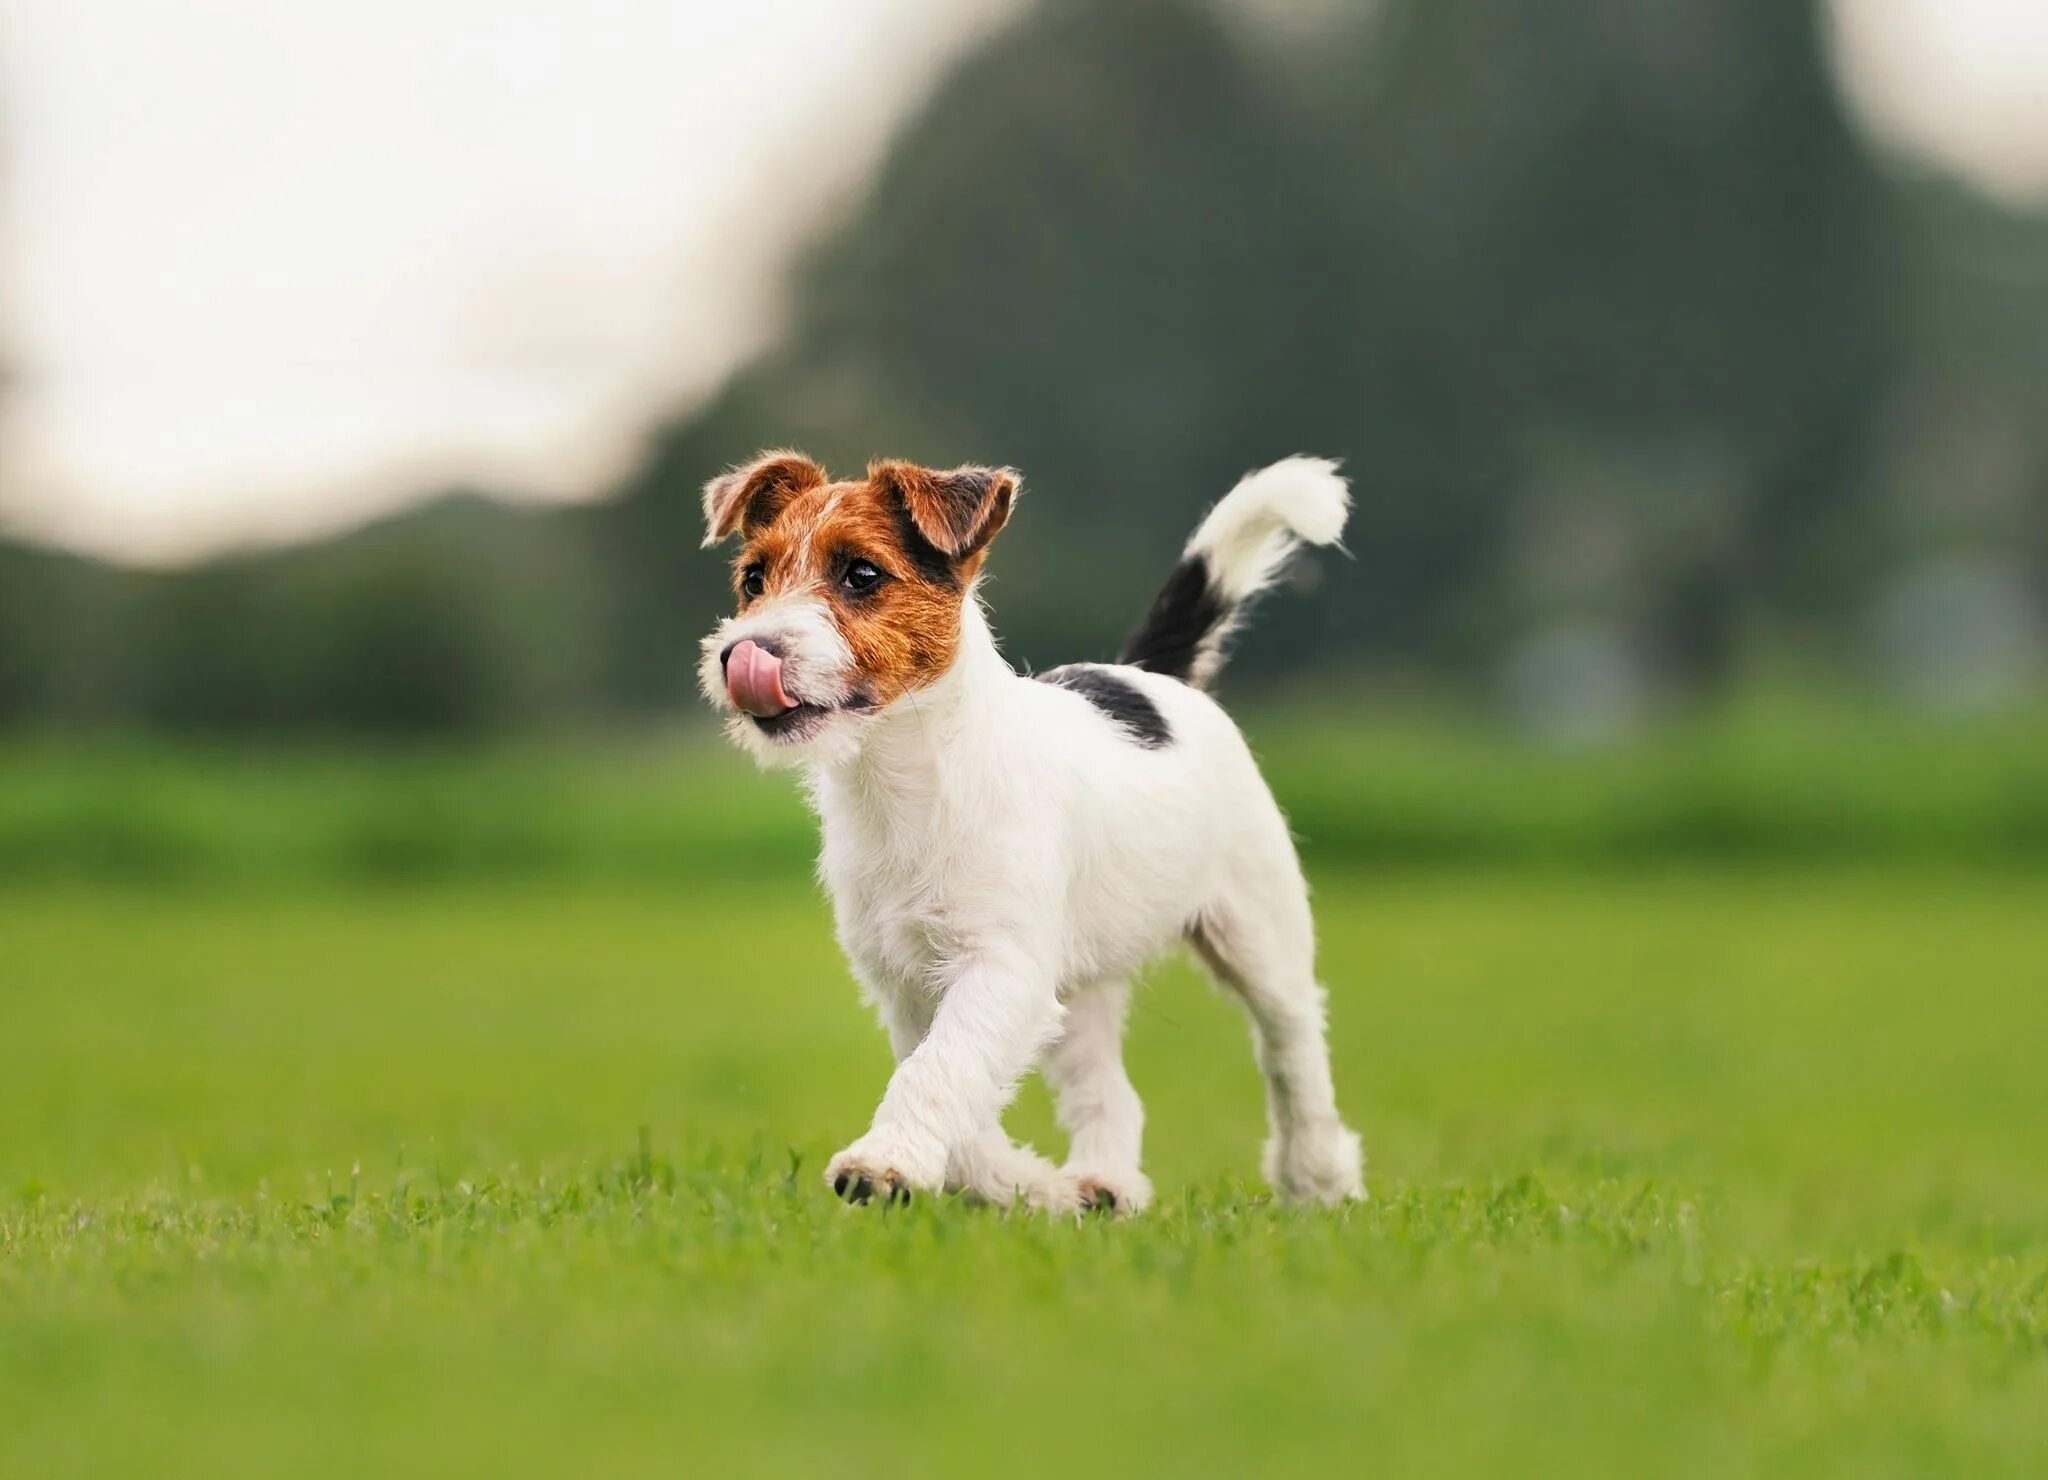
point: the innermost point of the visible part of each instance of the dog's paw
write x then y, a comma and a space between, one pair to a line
1055, 1191
857, 1184
1049, 1191
1323, 1164
873, 1167
1117, 1193
993, 1171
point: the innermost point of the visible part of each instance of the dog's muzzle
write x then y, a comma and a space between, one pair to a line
753, 680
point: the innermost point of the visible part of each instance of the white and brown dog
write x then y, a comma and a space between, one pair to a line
1003, 852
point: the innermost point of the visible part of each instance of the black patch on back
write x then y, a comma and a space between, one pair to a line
1187, 609
1121, 701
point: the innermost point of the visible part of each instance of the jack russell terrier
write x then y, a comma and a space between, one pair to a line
1004, 852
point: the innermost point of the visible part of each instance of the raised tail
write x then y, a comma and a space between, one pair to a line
1238, 551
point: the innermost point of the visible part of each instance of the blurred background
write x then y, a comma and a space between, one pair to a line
362, 364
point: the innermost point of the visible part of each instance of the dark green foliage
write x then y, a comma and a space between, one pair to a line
462, 618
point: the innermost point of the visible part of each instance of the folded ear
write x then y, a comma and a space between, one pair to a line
958, 511
752, 495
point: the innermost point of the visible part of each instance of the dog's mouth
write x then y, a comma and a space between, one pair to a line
804, 719
754, 684
793, 723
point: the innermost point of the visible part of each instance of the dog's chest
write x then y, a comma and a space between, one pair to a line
907, 899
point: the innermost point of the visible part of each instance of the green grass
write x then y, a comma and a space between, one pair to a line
1694, 1171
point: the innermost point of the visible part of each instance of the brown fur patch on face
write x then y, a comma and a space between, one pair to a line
904, 629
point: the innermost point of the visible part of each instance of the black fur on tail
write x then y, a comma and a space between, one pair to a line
1179, 636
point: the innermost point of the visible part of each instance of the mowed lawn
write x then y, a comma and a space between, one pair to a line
1681, 1172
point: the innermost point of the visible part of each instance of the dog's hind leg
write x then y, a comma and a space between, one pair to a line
1098, 1107
1261, 945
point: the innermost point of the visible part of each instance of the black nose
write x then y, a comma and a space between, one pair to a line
769, 645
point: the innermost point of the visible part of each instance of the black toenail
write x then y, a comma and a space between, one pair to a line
863, 1190
839, 1184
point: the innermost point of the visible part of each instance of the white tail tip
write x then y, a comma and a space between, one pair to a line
1256, 526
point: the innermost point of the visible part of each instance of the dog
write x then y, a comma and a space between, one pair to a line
1004, 851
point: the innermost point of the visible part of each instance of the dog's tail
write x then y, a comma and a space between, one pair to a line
1238, 551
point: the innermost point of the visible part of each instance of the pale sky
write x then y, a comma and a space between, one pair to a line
267, 267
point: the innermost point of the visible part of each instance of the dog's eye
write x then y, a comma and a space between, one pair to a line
753, 581
861, 575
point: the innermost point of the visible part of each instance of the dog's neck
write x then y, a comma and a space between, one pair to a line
909, 749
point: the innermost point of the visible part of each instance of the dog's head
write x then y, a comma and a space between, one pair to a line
850, 593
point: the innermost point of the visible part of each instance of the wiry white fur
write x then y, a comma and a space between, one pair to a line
1247, 539
1002, 858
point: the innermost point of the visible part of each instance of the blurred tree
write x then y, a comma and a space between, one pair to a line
464, 616
1649, 223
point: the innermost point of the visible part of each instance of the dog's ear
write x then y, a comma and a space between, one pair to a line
753, 495
957, 511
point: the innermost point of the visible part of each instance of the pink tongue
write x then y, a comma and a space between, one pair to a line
753, 677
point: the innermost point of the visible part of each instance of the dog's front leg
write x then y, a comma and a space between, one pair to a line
990, 1024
